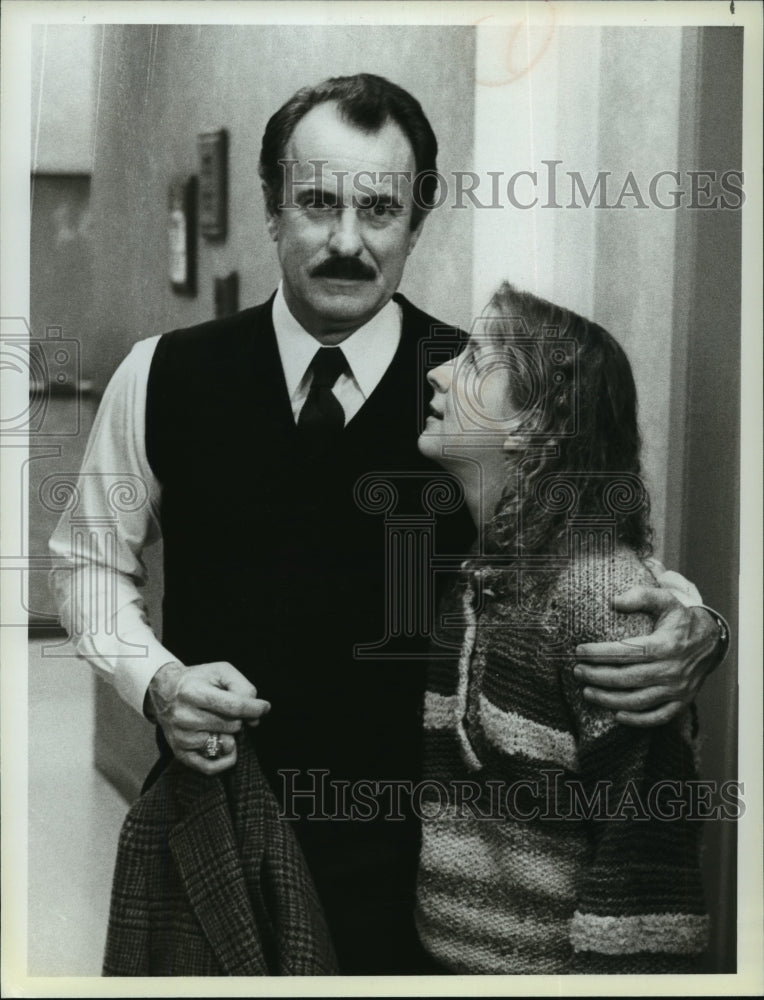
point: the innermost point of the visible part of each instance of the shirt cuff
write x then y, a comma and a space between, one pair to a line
133, 674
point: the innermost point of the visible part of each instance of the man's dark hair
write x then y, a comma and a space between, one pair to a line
368, 102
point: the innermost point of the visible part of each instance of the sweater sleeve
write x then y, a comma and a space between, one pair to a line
640, 906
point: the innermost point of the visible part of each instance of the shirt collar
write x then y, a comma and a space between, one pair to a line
369, 350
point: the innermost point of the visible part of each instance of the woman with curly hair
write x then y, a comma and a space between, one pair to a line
554, 839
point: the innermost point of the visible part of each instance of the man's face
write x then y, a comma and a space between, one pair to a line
345, 231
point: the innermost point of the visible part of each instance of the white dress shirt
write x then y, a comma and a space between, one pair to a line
368, 352
95, 583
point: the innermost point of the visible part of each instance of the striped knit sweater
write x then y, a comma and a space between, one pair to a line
544, 848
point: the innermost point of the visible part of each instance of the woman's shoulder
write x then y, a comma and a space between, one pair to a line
553, 592
588, 581
593, 570
598, 566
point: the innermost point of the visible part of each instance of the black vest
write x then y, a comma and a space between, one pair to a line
284, 563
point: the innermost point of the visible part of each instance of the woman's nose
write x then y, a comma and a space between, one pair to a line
440, 377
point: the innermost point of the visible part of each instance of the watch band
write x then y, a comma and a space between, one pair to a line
724, 632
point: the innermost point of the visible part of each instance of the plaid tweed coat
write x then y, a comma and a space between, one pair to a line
209, 881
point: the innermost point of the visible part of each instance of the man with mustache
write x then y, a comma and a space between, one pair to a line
253, 434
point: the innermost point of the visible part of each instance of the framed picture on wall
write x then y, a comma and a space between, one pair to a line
213, 184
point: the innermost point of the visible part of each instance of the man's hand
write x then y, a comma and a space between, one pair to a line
664, 670
190, 703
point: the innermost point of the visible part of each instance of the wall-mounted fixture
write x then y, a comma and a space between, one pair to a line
213, 184
181, 229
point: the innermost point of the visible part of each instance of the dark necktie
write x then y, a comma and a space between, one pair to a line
322, 415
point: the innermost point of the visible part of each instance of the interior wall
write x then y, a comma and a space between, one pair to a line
641, 86
162, 86
711, 523
63, 97
61, 268
517, 125
62, 251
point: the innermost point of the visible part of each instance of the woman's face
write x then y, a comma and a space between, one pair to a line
471, 412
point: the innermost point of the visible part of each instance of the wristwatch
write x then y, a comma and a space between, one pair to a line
724, 632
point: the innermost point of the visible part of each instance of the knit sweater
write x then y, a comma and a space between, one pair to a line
549, 844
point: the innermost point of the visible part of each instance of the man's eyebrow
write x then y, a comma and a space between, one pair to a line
369, 197
315, 196
308, 196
